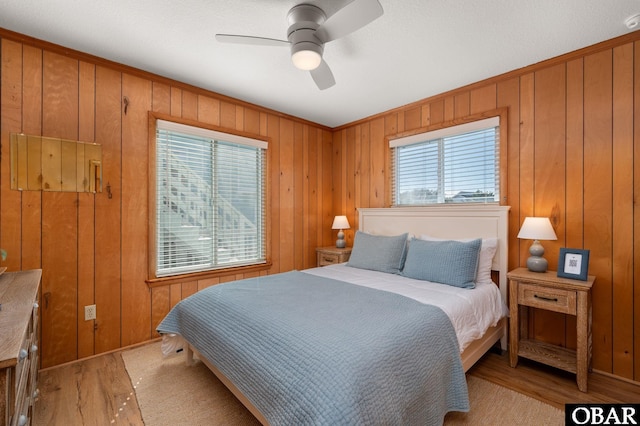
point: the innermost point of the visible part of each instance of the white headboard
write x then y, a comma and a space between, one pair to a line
449, 222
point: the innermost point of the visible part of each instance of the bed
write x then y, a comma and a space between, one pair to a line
353, 343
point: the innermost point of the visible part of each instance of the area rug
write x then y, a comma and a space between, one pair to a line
169, 393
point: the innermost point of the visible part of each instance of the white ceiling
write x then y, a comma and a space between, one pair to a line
417, 49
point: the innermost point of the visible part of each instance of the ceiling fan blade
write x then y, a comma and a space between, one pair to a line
242, 39
350, 18
323, 76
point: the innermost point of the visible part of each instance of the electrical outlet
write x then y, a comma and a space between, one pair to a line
89, 312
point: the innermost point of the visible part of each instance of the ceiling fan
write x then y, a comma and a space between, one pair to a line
309, 30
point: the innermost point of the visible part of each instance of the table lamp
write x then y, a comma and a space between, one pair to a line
340, 223
537, 228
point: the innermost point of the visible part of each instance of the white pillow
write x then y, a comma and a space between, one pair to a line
487, 251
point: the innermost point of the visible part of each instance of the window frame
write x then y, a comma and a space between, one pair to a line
500, 113
153, 280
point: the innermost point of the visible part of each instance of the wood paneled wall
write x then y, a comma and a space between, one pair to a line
573, 152
572, 148
93, 247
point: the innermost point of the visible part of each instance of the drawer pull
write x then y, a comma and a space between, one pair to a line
23, 354
548, 299
34, 348
22, 420
328, 259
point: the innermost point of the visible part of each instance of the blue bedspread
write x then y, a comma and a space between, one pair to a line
310, 350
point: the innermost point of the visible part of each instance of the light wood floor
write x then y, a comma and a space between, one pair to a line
98, 391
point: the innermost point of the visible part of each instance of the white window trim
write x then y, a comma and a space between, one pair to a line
445, 132
212, 134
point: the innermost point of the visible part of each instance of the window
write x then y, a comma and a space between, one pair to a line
210, 199
457, 164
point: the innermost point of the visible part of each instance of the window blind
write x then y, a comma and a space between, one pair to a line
210, 196
458, 164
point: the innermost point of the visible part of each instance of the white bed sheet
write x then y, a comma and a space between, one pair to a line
471, 311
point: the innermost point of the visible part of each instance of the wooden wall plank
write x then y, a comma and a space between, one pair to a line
273, 226
59, 219
208, 110
622, 220
574, 199
636, 213
312, 212
436, 110
365, 169
252, 121
378, 154
483, 99
31, 125
160, 306
338, 179
189, 288
307, 193
461, 105
286, 236
357, 179
449, 108
161, 101
176, 102
574, 217
508, 95
598, 200
189, 105
228, 115
298, 198
10, 122
136, 304
86, 214
412, 118
327, 189
549, 173
349, 206
108, 225
526, 158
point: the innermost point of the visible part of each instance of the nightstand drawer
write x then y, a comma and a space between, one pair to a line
328, 258
552, 299
332, 255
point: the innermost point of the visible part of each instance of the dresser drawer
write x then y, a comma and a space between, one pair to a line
19, 349
552, 299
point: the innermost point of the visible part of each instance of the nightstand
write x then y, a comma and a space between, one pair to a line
332, 255
545, 290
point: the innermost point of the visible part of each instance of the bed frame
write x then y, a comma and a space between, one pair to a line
449, 221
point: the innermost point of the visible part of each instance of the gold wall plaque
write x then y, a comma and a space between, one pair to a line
40, 163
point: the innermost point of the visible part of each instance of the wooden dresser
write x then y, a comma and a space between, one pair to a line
18, 345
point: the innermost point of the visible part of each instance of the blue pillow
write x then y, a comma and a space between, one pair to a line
378, 252
447, 262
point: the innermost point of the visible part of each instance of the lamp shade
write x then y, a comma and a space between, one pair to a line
537, 228
340, 222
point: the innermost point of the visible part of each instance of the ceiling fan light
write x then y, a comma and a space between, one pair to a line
306, 60
306, 56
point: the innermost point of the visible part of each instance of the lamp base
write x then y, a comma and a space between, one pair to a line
537, 264
340, 242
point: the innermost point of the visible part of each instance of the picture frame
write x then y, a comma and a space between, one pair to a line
573, 263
